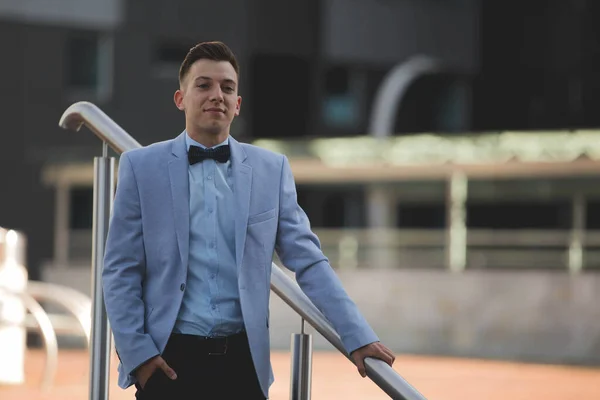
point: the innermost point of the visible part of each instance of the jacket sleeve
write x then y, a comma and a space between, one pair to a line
123, 273
300, 251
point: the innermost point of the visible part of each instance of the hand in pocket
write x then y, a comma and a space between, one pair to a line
146, 370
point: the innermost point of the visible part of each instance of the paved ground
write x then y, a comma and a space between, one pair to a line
335, 378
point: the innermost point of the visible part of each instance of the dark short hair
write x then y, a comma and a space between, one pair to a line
216, 51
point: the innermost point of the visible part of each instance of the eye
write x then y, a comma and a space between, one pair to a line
204, 86
228, 89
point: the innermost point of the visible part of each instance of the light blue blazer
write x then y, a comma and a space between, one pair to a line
146, 257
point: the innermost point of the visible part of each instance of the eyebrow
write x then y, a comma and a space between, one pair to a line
226, 80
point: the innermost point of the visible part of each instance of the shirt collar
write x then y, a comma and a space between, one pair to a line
191, 142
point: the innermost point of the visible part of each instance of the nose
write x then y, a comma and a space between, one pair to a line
216, 95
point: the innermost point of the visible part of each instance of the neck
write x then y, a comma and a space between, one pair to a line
208, 139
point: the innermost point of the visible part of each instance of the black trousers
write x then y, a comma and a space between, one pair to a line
211, 369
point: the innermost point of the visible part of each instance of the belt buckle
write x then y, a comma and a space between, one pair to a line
224, 349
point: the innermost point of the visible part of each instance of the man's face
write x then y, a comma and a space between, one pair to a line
209, 96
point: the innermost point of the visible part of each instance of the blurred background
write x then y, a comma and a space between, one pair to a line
446, 152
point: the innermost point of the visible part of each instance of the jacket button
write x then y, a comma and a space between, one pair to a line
182, 287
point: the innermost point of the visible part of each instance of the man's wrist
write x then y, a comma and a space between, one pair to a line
136, 369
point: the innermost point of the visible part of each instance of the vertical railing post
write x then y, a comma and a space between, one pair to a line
300, 382
577, 239
104, 173
456, 230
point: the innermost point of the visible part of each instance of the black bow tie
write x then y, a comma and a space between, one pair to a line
198, 154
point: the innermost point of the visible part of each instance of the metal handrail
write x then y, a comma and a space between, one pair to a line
88, 114
380, 373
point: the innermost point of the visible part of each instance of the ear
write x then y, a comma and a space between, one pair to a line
238, 105
178, 98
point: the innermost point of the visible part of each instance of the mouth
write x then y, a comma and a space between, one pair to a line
215, 110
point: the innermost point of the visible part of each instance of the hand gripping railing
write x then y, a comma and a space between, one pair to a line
84, 113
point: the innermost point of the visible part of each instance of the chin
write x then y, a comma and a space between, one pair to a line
213, 129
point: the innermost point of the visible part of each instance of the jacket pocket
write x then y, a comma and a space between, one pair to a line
261, 217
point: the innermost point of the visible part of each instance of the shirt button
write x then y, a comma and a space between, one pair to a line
210, 210
209, 177
213, 276
213, 307
212, 244
182, 287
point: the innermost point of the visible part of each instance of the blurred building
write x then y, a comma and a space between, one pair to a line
310, 69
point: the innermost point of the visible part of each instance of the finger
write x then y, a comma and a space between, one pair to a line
360, 364
167, 370
390, 354
381, 349
383, 356
389, 359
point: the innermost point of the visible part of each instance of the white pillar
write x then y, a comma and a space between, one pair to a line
577, 234
13, 335
456, 235
381, 220
348, 244
381, 211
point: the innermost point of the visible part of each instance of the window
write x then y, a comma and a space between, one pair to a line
168, 56
520, 214
89, 64
280, 91
341, 100
423, 215
333, 206
435, 103
82, 61
81, 212
171, 53
593, 214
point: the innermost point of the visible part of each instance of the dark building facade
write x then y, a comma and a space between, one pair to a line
309, 69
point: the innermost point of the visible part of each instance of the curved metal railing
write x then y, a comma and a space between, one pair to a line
74, 302
43, 322
88, 114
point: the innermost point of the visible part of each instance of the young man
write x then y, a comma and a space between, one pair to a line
195, 222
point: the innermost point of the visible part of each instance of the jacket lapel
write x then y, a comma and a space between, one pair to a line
180, 194
242, 181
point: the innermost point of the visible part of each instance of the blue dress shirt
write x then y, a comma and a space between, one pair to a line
211, 303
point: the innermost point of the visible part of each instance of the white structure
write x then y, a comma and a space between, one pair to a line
13, 279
